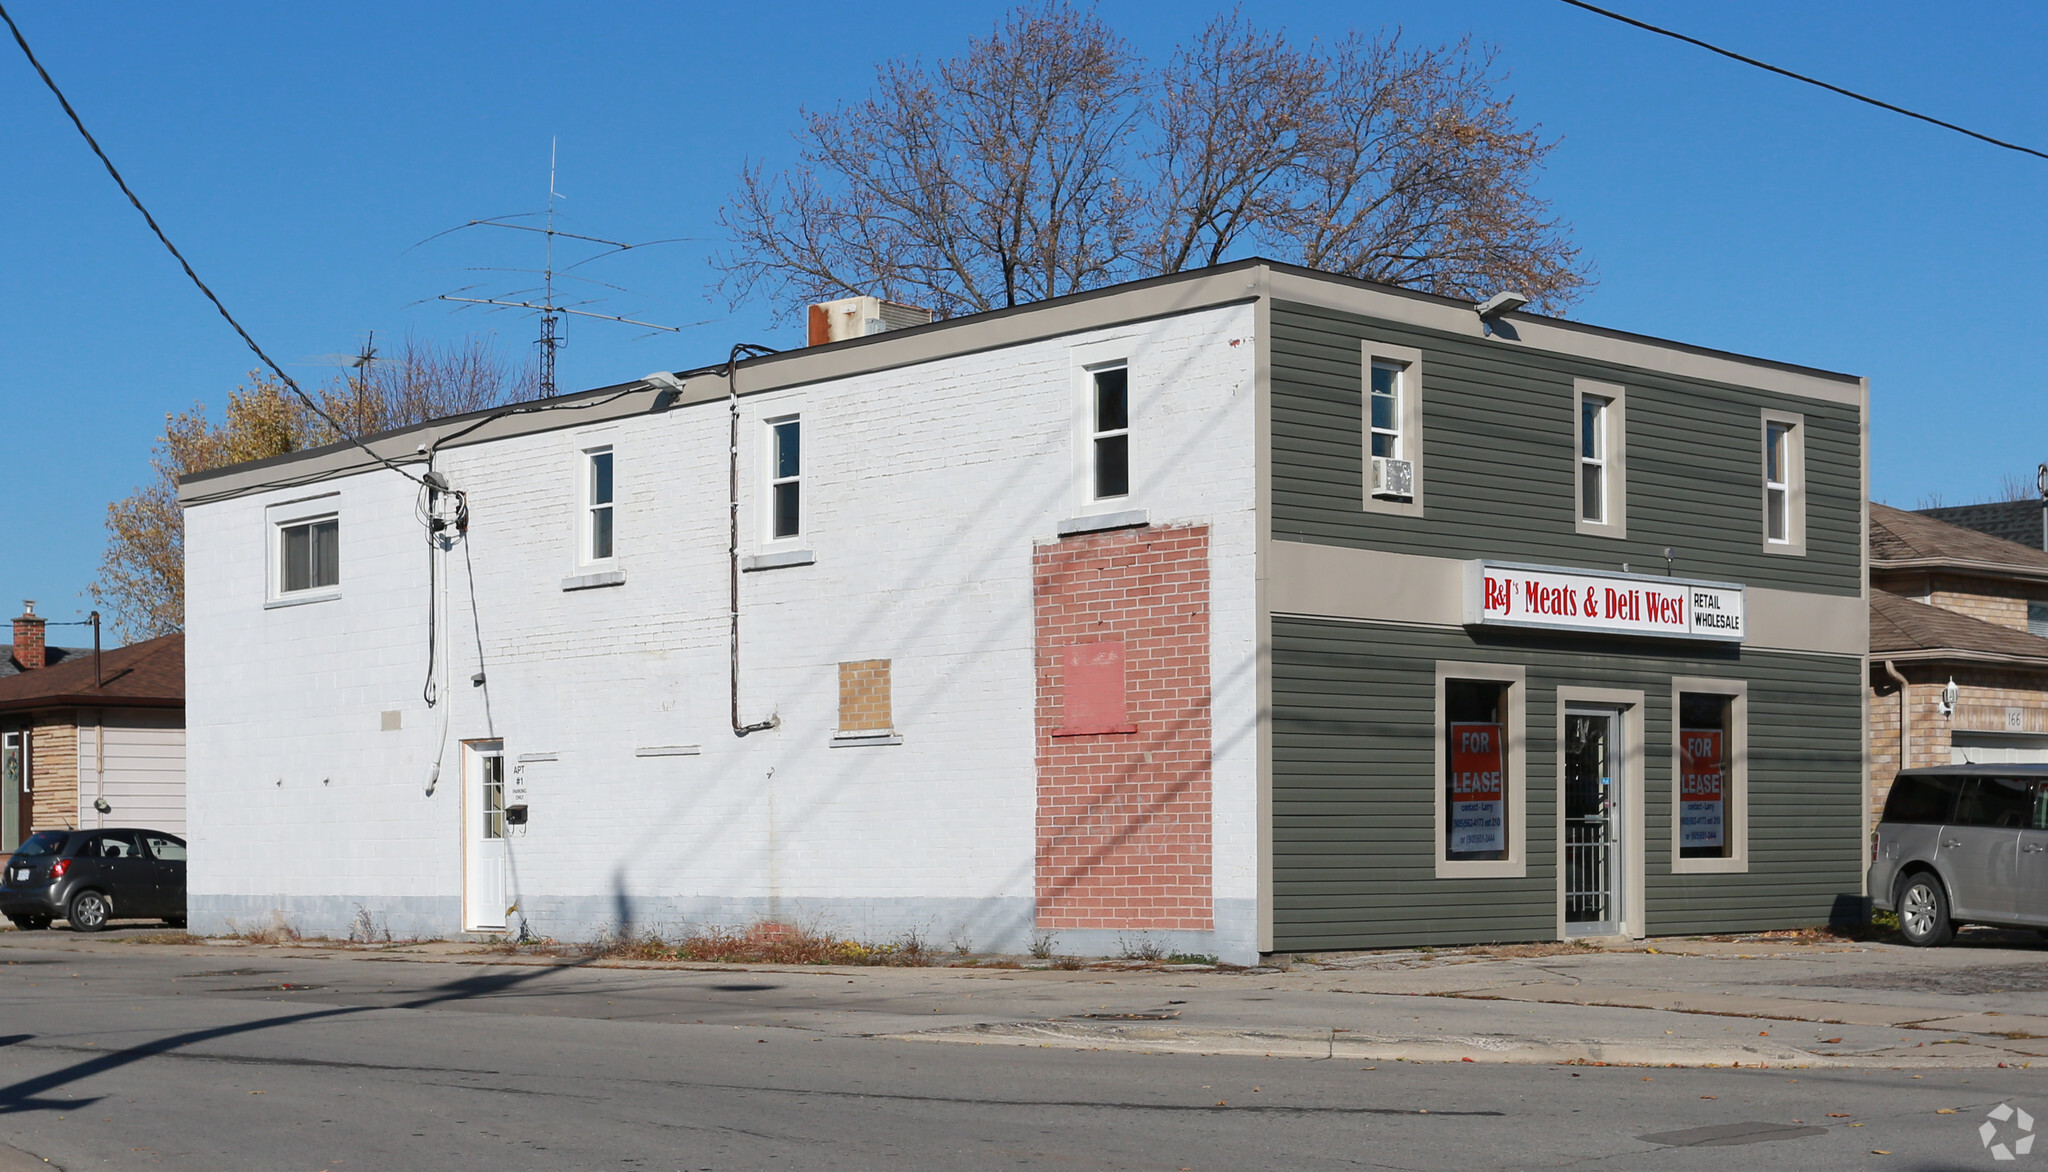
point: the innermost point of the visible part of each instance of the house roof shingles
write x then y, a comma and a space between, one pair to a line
1899, 539
2023, 521
150, 674
1901, 628
52, 656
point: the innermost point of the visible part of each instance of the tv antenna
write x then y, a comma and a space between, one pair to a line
550, 309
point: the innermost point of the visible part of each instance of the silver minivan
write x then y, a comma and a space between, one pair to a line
1963, 844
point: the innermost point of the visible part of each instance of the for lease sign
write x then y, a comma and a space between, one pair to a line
1500, 594
1702, 788
1478, 790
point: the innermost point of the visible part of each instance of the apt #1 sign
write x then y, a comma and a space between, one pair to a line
1500, 594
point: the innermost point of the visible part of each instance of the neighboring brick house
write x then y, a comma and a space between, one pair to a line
81, 731
1241, 610
1953, 604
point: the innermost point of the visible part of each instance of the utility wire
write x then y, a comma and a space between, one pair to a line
1764, 65
187, 265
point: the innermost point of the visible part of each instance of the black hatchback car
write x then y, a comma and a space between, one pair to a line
89, 877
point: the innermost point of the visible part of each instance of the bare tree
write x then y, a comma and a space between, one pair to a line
987, 182
142, 572
1050, 159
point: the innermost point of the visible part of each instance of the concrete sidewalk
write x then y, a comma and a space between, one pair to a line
1773, 1000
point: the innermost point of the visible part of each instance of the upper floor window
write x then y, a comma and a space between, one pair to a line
309, 555
1110, 433
1386, 410
1593, 459
1391, 435
598, 490
1778, 481
1784, 482
2037, 619
1601, 457
785, 478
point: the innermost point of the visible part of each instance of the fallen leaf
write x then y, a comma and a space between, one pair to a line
1838, 1115
1464, 1060
1944, 1110
1829, 1041
1710, 1096
1879, 1152
1763, 1033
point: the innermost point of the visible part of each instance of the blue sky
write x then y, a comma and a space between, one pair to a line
295, 152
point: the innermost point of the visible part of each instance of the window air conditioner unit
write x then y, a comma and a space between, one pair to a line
1393, 478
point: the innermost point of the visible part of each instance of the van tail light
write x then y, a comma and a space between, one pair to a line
1873, 846
58, 868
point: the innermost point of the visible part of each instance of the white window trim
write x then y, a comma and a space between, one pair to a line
1736, 765
1633, 891
1795, 482
1614, 442
1515, 792
769, 480
1089, 435
289, 514
1083, 360
586, 505
1413, 444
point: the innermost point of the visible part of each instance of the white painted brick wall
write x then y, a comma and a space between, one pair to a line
925, 489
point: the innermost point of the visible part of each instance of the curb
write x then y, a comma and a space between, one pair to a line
1499, 1049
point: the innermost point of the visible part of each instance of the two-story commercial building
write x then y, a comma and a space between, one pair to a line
1245, 610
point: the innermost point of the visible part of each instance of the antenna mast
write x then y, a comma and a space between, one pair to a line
550, 310
548, 316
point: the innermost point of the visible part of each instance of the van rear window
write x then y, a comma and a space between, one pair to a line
1922, 799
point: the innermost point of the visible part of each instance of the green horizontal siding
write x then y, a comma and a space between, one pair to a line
1499, 458
1354, 783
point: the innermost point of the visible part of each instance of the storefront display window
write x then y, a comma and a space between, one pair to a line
1704, 824
1476, 793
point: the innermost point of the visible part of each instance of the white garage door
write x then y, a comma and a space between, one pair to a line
1983, 748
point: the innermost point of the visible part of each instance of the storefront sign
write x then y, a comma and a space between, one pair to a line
1503, 595
1702, 788
1478, 789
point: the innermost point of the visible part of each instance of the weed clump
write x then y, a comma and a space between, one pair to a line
764, 943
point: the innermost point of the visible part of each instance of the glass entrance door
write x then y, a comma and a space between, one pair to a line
1593, 863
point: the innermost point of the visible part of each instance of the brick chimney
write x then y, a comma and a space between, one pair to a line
28, 637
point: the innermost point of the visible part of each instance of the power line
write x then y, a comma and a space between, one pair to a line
185, 264
1764, 65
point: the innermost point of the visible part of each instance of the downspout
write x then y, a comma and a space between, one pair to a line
1905, 715
732, 396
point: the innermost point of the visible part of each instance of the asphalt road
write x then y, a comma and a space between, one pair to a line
147, 1059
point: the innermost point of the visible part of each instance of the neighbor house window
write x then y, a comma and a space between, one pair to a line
2037, 619
785, 478
1784, 469
1710, 776
1479, 771
598, 489
309, 555
1110, 433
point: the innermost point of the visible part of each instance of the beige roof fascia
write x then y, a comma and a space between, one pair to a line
1137, 301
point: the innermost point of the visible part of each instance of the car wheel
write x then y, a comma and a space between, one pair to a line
89, 912
1923, 912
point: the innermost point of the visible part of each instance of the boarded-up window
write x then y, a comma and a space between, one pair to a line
864, 696
1093, 691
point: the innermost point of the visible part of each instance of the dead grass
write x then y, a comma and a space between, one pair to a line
764, 943
167, 938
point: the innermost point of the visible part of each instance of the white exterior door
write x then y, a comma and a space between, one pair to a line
483, 836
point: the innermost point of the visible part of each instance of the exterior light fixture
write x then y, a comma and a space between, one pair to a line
1500, 303
1948, 697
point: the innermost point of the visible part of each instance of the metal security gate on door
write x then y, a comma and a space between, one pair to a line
1593, 820
484, 899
